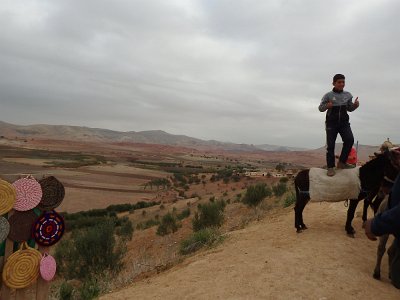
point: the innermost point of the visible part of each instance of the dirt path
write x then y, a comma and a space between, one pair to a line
268, 260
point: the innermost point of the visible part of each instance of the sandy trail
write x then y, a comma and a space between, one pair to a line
268, 260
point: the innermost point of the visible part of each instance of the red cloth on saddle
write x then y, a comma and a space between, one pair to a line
352, 159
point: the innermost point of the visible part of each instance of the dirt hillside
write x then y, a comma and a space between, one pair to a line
268, 260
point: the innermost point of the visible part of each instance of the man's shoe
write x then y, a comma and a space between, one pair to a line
331, 172
342, 165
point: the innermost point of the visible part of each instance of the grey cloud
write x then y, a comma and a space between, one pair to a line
241, 71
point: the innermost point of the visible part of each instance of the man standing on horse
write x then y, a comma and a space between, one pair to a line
388, 222
337, 103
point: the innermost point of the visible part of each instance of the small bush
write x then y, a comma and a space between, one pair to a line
89, 290
66, 291
125, 230
168, 225
284, 180
256, 193
184, 214
149, 223
279, 189
199, 239
209, 215
289, 200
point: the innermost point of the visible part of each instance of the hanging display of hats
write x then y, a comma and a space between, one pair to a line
7, 197
48, 228
48, 267
22, 267
53, 193
4, 229
21, 225
29, 193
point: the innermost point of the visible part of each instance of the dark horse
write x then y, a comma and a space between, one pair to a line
371, 176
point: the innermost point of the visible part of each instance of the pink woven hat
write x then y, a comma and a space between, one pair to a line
29, 193
48, 267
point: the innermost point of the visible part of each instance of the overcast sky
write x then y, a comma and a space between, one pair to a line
249, 71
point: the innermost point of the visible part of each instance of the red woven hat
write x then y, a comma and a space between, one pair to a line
48, 228
48, 267
29, 194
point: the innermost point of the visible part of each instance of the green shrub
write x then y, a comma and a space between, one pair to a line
89, 290
184, 214
89, 252
168, 225
289, 200
199, 239
284, 180
209, 215
66, 291
256, 193
125, 230
279, 189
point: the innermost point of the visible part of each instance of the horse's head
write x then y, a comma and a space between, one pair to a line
392, 165
385, 166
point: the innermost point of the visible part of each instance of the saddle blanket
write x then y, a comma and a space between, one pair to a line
344, 185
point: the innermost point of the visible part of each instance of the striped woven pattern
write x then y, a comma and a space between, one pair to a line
4, 229
53, 193
22, 267
7, 197
48, 228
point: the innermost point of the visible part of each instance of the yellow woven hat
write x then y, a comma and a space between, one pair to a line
22, 267
7, 197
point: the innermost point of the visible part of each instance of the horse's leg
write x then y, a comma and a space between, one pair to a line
350, 216
391, 252
365, 210
306, 199
297, 211
380, 252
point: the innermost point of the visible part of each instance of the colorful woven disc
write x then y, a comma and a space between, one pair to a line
22, 267
21, 225
48, 228
53, 193
7, 197
48, 267
4, 229
29, 194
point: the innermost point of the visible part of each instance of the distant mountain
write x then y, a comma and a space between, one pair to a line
277, 148
78, 133
363, 151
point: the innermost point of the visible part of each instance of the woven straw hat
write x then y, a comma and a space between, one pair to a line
48, 267
53, 193
4, 229
21, 225
22, 267
29, 194
7, 197
48, 228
